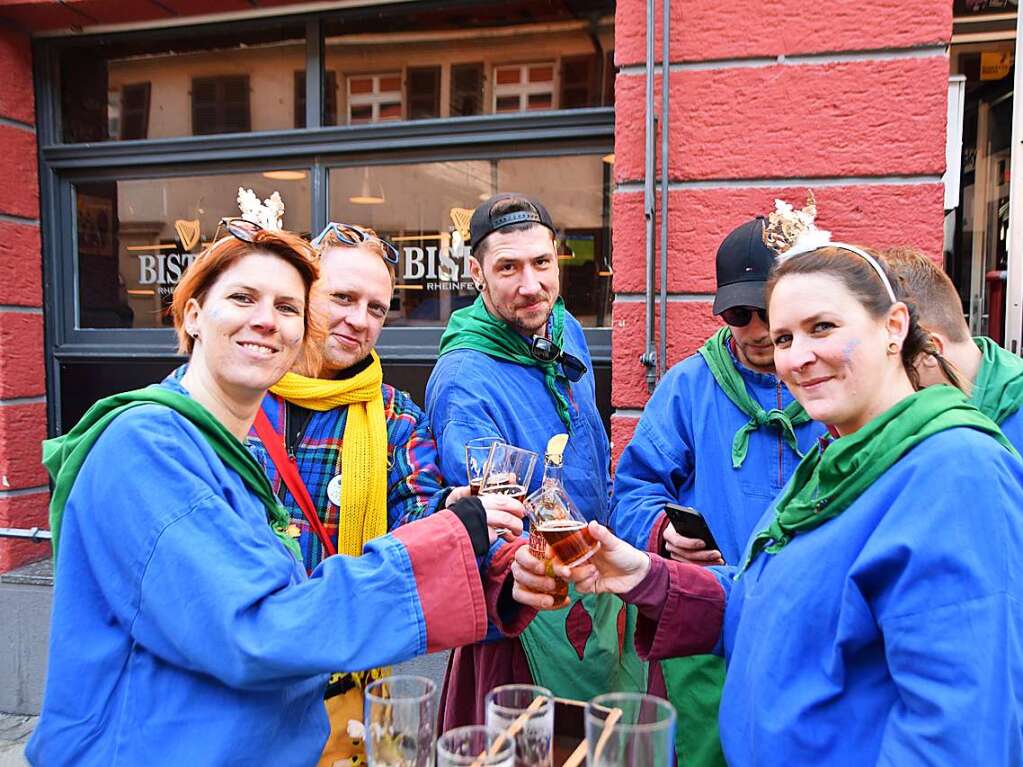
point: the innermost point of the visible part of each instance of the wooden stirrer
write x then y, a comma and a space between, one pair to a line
605, 735
511, 730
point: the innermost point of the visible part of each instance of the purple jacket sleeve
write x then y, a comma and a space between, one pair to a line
682, 609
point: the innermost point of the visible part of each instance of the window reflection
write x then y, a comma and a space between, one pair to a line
136, 237
420, 207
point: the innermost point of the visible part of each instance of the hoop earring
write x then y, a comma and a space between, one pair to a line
893, 347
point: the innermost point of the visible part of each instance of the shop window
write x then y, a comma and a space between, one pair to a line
329, 98
135, 237
220, 105
102, 96
134, 112
466, 89
374, 98
423, 88
419, 207
524, 87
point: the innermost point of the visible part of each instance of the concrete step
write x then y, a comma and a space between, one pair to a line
26, 597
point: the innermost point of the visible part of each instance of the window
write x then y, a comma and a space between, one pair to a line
374, 98
466, 89
423, 88
417, 205
329, 98
134, 111
524, 87
580, 81
220, 105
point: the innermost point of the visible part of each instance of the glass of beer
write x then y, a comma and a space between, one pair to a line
538, 548
475, 746
477, 451
629, 729
534, 743
553, 515
400, 717
508, 471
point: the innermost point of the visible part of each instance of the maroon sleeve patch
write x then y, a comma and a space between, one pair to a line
691, 620
655, 543
578, 628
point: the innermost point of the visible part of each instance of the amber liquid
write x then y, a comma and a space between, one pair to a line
504, 484
568, 541
538, 548
475, 485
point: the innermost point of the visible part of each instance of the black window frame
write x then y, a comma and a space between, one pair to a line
317, 148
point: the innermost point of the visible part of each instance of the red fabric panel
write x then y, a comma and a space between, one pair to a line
495, 580
655, 544
448, 579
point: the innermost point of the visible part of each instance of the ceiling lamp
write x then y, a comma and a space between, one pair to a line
369, 194
285, 175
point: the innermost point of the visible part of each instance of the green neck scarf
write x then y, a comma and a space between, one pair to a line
64, 456
475, 328
722, 367
998, 390
828, 481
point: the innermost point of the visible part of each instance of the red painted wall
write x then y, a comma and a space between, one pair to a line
770, 98
23, 486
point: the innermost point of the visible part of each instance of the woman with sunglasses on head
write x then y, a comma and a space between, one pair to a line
364, 452
185, 628
876, 615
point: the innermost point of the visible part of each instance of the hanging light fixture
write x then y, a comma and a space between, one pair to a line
368, 193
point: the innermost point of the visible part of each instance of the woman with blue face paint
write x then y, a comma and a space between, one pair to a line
876, 616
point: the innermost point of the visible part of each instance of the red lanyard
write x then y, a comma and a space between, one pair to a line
288, 469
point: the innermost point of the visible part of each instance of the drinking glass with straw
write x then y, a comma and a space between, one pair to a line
477, 451
475, 746
628, 729
534, 740
400, 718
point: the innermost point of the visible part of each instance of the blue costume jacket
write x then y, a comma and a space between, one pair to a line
1012, 427
892, 634
471, 394
681, 453
185, 633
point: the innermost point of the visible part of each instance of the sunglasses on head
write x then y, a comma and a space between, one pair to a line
239, 228
545, 350
353, 235
740, 316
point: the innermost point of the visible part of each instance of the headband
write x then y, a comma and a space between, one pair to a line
796, 250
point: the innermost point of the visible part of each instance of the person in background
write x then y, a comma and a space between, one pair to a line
992, 375
515, 365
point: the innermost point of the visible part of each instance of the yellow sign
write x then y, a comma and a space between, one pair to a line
188, 233
994, 65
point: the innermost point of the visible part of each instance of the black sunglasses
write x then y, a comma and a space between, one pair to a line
239, 228
740, 316
353, 235
545, 350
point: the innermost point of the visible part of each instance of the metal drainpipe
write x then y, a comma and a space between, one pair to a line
662, 367
32, 533
649, 357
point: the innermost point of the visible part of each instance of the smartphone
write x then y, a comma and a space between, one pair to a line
689, 523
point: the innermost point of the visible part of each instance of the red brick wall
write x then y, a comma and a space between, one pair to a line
23, 485
770, 98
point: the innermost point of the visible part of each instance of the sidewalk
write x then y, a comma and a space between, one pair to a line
14, 733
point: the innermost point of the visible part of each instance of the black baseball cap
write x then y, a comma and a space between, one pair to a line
483, 223
744, 263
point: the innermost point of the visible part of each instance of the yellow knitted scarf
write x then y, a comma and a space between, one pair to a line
363, 514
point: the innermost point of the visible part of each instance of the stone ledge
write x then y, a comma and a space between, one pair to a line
35, 574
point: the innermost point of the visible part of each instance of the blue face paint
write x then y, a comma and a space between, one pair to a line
849, 348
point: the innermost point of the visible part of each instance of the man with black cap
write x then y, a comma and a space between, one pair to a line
514, 365
721, 434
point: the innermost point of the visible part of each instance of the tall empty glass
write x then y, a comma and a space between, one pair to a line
534, 742
628, 729
471, 747
509, 471
477, 451
401, 716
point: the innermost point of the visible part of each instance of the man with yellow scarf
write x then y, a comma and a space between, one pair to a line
362, 449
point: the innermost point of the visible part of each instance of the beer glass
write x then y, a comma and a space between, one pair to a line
470, 747
477, 451
508, 471
566, 532
534, 742
629, 729
401, 712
